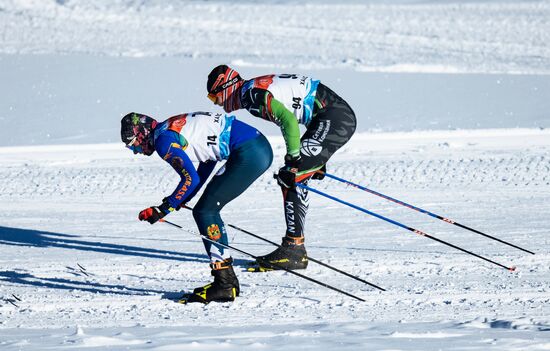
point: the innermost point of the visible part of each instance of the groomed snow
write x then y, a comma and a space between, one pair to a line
65, 206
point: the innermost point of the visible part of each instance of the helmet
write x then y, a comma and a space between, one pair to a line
222, 80
136, 132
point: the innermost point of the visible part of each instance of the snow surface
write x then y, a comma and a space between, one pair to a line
498, 37
52, 99
453, 107
65, 206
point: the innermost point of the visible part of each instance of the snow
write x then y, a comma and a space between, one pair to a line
64, 206
452, 100
382, 36
72, 99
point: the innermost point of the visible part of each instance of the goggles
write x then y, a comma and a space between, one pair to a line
212, 97
134, 146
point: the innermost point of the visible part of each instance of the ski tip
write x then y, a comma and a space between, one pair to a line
182, 299
512, 269
258, 269
190, 298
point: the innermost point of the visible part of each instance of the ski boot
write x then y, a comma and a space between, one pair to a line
290, 255
224, 288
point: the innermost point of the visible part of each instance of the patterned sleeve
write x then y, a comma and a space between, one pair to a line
261, 103
173, 153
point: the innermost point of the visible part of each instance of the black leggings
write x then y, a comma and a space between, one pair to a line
332, 126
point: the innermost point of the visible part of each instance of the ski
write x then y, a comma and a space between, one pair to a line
185, 299
272, 264
263, 269
257, 268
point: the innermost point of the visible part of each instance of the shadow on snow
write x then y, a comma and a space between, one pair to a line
38, 238
23, 278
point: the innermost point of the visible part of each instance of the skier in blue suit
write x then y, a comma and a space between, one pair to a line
207, 138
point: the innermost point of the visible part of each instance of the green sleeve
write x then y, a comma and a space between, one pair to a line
289, 126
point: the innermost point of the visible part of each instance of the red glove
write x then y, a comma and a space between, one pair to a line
151, 215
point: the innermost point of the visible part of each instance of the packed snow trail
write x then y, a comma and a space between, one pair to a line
88, 274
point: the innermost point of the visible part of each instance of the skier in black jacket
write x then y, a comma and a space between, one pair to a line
289, 100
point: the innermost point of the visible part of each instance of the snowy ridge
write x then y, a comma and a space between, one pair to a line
77, 270
482, 37
438, 159
103, 89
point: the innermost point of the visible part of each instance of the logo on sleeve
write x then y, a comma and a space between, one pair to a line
176, 123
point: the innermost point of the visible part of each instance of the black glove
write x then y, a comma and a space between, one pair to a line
286, 178
151, 215
165, 204
320, 174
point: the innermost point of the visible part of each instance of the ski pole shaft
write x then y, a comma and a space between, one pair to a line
425, 212
309, 258
416, 231
260, 259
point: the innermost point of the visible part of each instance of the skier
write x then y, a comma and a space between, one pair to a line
208, 138
289, 100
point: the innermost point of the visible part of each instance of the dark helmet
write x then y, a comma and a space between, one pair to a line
222, 79
137, 132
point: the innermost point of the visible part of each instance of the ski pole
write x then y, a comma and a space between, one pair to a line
309, 258
416, 231
424, 211
260, 259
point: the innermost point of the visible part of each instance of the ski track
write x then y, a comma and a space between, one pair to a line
503, 37
427, 164
65, 206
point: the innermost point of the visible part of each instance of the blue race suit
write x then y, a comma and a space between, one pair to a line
248, 155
